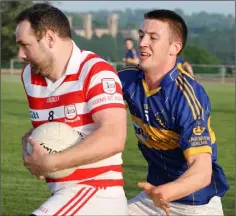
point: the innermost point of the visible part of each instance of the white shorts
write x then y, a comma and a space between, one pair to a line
143, 205
85, 200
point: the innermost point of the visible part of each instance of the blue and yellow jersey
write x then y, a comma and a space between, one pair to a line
180, 62
172, 123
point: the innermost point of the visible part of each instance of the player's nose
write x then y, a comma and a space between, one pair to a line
144, 41
21, 54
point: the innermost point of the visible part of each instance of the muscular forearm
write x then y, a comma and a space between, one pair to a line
194, 179
101, 144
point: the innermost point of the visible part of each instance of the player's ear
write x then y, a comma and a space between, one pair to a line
175, 47
50, 38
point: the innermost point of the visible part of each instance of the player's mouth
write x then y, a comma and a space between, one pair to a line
144, 55
26, 62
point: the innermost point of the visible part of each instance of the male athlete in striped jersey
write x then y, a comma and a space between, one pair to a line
171, 117
66, 84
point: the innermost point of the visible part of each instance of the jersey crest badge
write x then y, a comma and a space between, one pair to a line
199, 128
109, 85
70, 111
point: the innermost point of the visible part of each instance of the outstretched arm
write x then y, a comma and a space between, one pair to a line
194, 179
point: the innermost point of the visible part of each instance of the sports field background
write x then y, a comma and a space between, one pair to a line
22, 193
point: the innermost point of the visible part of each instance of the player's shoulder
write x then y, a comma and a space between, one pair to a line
191, 88
26, 73
129, 74
89, 57
93, 63
134, 69
184, 75
26, 70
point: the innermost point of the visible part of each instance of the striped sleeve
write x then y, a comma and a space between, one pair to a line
193, 121
103, 88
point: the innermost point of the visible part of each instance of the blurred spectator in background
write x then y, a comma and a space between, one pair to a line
131, 55
185, 65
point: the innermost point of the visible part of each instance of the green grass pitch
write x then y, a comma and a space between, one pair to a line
22, 193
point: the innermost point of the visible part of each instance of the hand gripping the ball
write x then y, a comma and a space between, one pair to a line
38, 162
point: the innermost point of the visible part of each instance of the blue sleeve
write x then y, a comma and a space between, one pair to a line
122, 77
193, 120
127, 76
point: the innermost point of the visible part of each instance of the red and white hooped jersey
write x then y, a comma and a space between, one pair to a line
89, 85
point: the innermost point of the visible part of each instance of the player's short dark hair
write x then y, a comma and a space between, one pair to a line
43, 17
129, 39
175, 21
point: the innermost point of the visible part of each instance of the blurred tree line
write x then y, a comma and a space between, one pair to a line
208, 33
211, 36
9, 10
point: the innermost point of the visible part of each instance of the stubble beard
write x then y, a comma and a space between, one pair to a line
44, 68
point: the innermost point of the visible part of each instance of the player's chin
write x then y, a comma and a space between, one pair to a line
35, 69
144, 65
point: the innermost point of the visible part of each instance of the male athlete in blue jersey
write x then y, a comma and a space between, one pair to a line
171, 115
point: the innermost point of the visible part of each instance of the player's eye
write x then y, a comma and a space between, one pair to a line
24, 44
141, 36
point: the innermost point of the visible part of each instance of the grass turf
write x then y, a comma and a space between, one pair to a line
22, 193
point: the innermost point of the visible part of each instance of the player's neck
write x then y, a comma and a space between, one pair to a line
152, 82
60, 62
154, 76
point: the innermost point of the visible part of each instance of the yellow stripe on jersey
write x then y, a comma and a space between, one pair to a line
194, 95
197, 150
156, 138
191, 94
182, 71
147, 92
180, 67
211, 132
187, 97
